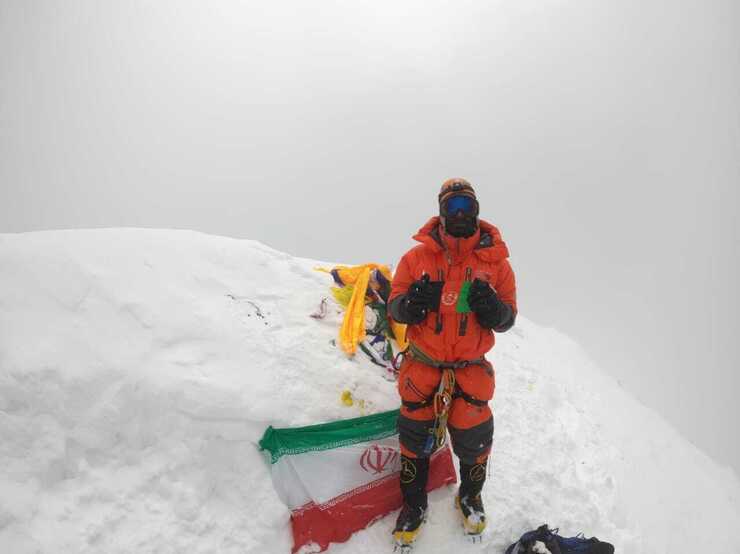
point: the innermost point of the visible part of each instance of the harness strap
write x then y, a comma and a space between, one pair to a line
459, 393
429, 401
413, 406
418, 354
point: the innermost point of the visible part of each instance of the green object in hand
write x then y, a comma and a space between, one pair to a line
462, 306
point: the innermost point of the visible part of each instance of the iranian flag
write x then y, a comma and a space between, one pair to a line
339, 477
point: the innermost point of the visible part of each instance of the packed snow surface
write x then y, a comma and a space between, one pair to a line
139, 368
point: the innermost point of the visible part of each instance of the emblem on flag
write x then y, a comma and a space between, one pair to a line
378, 459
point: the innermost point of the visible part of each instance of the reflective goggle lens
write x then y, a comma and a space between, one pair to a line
463, 203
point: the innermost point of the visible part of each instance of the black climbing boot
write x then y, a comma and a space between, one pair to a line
414, 476
468, 500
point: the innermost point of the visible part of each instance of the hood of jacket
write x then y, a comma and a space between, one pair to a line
486, 242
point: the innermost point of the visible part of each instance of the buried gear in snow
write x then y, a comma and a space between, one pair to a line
543, 536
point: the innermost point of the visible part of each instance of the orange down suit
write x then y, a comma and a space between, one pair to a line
449, 259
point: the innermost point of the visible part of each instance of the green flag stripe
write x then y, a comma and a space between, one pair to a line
325, 436
462, 305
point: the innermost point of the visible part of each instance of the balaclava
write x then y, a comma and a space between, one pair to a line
459, 218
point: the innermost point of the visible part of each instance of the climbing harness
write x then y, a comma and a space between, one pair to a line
418, 354
447, 391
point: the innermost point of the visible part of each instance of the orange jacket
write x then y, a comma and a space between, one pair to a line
446, 258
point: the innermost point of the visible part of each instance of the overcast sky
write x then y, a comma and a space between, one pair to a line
603, 139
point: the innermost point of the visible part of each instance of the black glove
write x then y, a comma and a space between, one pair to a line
489, 310
419, 300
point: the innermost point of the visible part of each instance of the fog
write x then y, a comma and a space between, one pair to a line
603, 139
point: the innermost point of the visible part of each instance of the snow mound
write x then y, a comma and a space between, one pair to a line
139, 368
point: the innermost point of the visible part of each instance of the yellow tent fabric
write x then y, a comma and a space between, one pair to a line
352, 330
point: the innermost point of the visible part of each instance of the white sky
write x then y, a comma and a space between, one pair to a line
603, 139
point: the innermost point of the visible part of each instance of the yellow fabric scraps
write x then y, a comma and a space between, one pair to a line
353, 296
343, 295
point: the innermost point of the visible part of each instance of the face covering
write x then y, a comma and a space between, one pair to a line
460, 216
461, 226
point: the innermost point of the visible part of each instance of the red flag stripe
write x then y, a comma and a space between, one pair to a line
338, 519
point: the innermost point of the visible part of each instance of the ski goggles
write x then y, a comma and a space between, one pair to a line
460, 203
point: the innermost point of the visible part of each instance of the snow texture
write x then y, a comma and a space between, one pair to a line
139, 368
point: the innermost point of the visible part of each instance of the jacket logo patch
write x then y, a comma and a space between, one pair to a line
449, 298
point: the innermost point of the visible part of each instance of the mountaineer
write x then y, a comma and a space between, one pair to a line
455, 290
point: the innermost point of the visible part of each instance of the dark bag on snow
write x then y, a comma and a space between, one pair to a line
532, 542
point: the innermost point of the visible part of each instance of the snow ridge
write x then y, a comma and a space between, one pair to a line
139, 368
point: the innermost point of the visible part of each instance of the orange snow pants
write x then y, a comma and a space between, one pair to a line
470, 426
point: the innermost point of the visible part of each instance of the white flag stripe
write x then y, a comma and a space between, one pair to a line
323, 475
